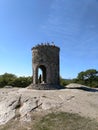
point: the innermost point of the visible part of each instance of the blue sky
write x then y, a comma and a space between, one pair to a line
71, 24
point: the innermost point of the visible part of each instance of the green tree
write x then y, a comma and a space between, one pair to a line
62, 82
13, 80
7, 79
88, 77
65, 82
22, 81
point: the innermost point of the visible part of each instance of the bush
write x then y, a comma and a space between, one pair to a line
12, 80
23, 81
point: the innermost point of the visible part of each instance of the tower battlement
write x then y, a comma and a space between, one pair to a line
52, 45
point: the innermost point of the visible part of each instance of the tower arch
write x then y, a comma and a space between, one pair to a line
42, 77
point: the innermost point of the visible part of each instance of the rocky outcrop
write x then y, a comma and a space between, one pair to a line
8, 107
74, 86
20, 103
79, 86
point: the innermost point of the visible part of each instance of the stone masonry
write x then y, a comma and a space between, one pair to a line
46, 58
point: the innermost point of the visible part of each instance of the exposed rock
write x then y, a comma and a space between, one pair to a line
22, 102
7, 86
74, 85
8, 107
29, 105
79, 86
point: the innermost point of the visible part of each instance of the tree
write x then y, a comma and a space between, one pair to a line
7, 79
88, 77
13, 80
22, 81
65, 82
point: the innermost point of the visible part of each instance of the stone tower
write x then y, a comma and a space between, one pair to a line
46, 58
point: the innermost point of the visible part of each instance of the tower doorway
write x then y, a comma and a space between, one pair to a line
42, 74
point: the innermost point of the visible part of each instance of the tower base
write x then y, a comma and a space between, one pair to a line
45, 86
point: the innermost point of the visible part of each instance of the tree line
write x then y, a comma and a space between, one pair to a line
8, 79
88, 78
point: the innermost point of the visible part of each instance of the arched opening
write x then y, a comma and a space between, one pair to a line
41, 74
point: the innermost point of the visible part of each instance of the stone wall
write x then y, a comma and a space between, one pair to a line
46, 57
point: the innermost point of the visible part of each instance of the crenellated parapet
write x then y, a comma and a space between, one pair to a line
46, 44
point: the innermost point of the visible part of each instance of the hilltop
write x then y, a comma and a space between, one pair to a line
26, 105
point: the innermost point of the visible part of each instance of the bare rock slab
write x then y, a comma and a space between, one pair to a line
24, 102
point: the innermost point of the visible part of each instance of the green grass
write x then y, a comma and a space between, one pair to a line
65, 121
55, 121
